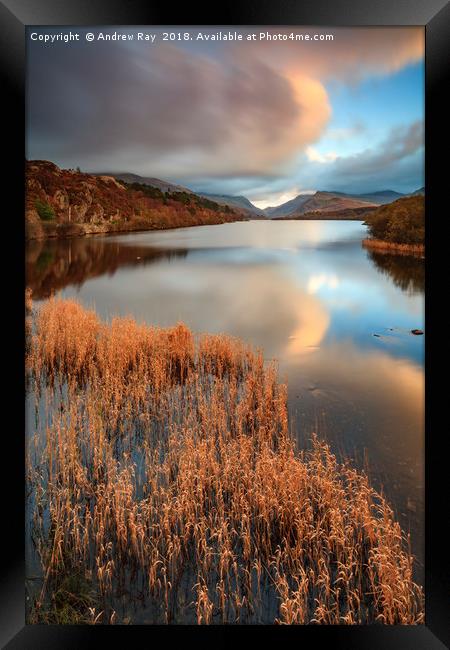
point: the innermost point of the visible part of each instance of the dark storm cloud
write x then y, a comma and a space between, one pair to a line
224, 118
159, 108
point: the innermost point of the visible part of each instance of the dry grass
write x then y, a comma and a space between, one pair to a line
394, 247
162, 468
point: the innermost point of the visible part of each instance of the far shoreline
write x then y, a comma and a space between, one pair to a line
82, 230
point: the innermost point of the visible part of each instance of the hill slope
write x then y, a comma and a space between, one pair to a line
66, 203
290, 207
323, 201
380, 197
320, 205
238, 202
400, 222
164, 186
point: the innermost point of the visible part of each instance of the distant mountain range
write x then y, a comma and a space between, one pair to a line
290, 207
239, 202
335, 203
380, 198
319, 203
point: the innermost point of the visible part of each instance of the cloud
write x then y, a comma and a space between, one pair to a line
276, 198
395, 162
353, 55
235, 110
345, 133
401, 142
168, 113
397, 158
315, 156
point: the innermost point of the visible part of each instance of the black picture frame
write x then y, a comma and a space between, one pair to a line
15, 15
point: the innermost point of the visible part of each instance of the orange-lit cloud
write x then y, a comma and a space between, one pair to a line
239, 109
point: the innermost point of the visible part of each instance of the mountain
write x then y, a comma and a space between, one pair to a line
68, 203
239, 202
236, 202
380, 198
333, 201
164, 186
320, 202
290, 207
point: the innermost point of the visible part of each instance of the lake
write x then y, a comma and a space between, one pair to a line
335, 316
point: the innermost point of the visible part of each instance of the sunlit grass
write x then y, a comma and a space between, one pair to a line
163, 470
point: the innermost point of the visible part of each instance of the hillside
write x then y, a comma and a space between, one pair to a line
164, 186
343, 214
321, 205
401, 223
329, 202
238, 202
338, 202
290, 207
67, 203
380, 197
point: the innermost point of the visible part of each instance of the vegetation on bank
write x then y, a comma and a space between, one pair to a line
44, 210
185, 198
399, 223
163, 472
69, 203
346, 214
393, 247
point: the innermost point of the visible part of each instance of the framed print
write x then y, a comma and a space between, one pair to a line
226, 254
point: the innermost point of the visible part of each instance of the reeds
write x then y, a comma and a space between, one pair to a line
394, 247
163, 469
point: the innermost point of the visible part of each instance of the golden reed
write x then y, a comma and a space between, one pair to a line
162, 469
393, 247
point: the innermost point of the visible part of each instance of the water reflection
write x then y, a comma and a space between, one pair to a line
367, 400
406, 271
310, 296
52, 265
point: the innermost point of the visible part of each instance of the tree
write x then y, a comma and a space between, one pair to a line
44, 210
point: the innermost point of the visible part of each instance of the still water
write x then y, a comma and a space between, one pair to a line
336, 317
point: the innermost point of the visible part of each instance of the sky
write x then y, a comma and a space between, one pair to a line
267, 119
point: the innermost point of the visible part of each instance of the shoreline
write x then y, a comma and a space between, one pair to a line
80, 230
393, 247
318, 218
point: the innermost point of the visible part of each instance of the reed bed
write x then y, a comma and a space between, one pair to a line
162, 470
394, 247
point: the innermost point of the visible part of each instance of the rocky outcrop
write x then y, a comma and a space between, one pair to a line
69, 203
